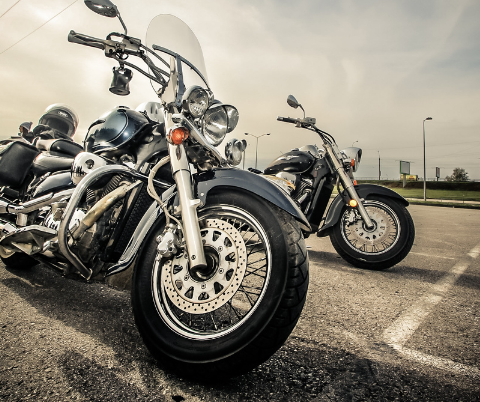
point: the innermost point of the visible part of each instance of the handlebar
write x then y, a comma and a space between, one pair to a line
287, 119
86, 40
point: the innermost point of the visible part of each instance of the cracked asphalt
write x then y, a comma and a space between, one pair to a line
407, 333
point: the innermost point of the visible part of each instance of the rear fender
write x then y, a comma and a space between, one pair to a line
363, 190
253, 183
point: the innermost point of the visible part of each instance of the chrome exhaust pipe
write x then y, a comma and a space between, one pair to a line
37, 203
80, 190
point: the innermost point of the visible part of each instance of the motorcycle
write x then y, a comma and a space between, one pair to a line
369, 225
220, 268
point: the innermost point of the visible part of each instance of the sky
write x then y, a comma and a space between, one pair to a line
369, 71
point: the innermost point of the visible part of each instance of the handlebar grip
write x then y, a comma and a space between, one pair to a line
286, 119
86, 40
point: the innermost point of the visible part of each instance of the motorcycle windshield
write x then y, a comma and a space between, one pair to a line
173, 35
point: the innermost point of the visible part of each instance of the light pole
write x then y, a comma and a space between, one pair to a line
424, 163
256, 147
354, 143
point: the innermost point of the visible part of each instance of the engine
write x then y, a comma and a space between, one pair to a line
90, 236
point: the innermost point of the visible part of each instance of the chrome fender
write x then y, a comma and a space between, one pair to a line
251, 182
363, 190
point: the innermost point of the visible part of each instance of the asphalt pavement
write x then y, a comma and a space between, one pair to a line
410, 332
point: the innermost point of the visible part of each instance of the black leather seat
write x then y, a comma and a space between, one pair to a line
66, 147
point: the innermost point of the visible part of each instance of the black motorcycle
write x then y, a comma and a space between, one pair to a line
368, 225
220, 268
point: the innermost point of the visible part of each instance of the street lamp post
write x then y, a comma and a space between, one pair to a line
354, 143
424, 163
256, 147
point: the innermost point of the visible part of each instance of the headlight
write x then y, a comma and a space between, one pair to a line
234, 150
195, 101
219, 120
353, 156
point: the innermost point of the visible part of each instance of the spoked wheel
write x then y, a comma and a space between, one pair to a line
234, 314
382, 246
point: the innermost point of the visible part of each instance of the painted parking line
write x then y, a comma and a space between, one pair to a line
433, 256
401, 330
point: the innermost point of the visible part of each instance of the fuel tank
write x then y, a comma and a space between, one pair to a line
295, 161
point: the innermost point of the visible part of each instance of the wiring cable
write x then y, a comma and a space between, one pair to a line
35, 30
10, 8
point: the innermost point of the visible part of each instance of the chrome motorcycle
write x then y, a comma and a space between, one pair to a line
220, 268
369, 225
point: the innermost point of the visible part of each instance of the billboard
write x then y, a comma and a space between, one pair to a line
404, 167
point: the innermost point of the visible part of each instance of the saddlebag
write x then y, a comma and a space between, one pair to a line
15, 162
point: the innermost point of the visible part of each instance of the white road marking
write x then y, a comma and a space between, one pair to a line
433, 256
401, 330
440, 363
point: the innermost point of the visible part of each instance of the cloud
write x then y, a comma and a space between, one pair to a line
367, 70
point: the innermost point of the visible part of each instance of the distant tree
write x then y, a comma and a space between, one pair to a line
458, 174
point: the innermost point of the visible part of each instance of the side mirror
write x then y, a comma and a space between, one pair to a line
292, 102
102, 7
105, 8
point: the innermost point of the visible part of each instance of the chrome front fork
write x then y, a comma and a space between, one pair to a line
348, 185
188, 206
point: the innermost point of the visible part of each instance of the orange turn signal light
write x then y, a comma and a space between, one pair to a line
353, 203
354, 182
178, 135
352, 163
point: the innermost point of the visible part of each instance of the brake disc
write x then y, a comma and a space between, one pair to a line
226, 255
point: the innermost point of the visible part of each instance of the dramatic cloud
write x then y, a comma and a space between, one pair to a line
369, 71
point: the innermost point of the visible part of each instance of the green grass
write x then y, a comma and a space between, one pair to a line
446, 195
439, 194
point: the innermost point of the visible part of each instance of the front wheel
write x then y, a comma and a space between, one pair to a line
232, 316
381, 247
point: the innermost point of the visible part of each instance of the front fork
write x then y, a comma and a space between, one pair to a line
348, 186
188, 206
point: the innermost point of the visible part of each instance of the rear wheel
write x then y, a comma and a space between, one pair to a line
380, 247
232, 316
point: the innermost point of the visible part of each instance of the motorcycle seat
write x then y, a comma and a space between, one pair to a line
61, 146
51, 162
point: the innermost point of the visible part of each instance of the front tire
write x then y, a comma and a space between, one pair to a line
236, 314
382, 247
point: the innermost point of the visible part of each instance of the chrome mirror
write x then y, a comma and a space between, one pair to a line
102, 7
105, 8
292, 102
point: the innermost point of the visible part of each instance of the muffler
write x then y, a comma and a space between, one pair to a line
37, 203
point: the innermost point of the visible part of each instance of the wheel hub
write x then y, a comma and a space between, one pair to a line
206, 290
378, 239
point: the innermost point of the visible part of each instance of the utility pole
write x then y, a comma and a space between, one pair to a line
424, 163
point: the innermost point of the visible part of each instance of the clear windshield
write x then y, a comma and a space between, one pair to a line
170, 32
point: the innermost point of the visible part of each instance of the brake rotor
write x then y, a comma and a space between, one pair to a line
226, 255
380, 238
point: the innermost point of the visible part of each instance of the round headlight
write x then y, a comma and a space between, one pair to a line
195, 101
219, 120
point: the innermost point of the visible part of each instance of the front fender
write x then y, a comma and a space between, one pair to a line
253, 183
363, 191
